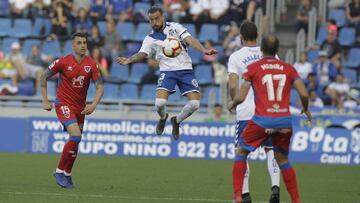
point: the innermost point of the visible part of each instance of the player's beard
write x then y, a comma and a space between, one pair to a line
157, 28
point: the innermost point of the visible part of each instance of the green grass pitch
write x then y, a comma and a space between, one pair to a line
28, 178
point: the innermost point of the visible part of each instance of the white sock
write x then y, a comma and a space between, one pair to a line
160, 107
187, 110
273, 168
246, 179
57, 170
67, 174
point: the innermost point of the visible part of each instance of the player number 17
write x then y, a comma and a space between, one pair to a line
268, 80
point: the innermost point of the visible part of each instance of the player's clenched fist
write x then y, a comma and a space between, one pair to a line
123, 60
47, 106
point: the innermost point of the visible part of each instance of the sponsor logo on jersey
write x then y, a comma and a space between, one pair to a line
87, 68
69, 68
79, 81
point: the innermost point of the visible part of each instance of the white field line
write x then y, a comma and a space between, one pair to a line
99, 196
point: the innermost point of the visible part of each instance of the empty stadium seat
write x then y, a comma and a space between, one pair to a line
22, 28
102, 27
339, 16
350, 74
142, 30
354, 58
5, 24
138, 70
111, 91
141, 7
119, 73
4, 8
52, 48
211, 95
68, 47
195, 55
321, 35
203, 74
126, 30
312, 55
129, 91
148, 92
191, 29
132, 48
209, 31
347, 36
294, 97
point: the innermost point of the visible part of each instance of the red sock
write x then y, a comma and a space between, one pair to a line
289, 177
239, 170
69, 154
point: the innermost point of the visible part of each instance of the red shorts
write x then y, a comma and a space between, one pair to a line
68, 115
254, 135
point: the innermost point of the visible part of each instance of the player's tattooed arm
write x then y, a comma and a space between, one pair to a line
304, 97
43, 82
138, 57
233, 83
198, 46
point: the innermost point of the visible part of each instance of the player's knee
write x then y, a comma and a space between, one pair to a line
281, 158
160, 102
194, 104
241, 151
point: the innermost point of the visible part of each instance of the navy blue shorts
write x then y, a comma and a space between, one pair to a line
184, 79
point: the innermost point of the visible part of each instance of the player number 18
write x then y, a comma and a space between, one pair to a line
268, 80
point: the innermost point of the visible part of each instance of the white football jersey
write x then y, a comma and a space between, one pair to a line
238, 62
153, 42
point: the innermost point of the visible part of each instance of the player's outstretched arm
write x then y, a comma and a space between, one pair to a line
304, 97
43, 83
198, 46
240, 97
90, 108
140, 56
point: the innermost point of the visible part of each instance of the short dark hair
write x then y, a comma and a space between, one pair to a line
248, 31
79, 34
154, 9
270, 45
217, 105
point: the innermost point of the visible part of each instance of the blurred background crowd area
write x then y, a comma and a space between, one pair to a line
35, 32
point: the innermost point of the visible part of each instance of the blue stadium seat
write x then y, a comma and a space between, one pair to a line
294, 97
350, 74
119, 73
203, 74
339, 16
195, 55
51, 89
5, 81
191, 29
111, 91
68, 47
312, 55
347, 36
6, 45
22, 28
209, 31
211, 94
176, 96
129, 91
102, 27
353, 59
148, 92
5, 25
126, 30
132, 48
52, 48
42, 27
27, 45
4, 8
91, 92
138, 70
141, 7
321, 35
142, 30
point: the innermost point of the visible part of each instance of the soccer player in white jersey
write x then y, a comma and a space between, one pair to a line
237, 64
173, 71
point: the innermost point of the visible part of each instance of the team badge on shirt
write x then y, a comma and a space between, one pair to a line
87, 68
195, 83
